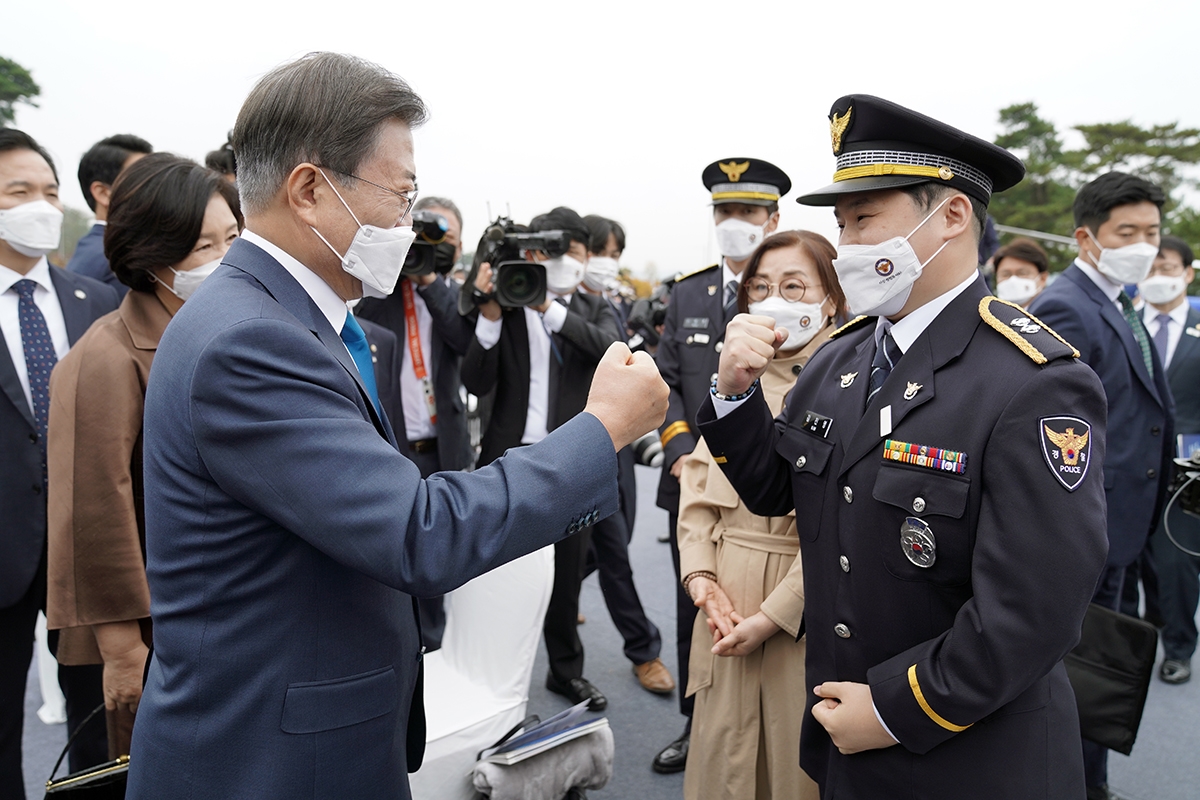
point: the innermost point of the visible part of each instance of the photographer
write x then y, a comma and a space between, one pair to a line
540, 359
422, 313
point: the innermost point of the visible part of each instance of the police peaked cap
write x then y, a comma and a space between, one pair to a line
745, 180
881, 145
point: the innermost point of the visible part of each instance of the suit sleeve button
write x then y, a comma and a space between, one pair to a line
1155, 430
1150, 473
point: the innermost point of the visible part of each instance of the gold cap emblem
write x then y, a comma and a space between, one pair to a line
837, 128
734, 170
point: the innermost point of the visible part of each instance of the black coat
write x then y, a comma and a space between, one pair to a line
589, 329
963, 656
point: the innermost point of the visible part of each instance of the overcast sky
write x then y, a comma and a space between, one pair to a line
610, 107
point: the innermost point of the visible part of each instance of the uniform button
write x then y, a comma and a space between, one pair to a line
37, 489
845, 562
720, 346
848, 494
33, 438
689, 340
918, 504
1155, 431
841, 630
1150, 473
796, 369
800, 462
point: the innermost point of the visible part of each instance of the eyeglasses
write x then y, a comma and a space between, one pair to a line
1167, 268
409, 198
790, 289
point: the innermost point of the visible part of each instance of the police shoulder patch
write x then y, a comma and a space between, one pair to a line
851, 325
1066, 443
685, 275
1027, 332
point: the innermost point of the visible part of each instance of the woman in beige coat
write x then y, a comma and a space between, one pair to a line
743, 571
170, 222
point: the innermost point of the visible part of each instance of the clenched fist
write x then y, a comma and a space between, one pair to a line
750, 343
628, 395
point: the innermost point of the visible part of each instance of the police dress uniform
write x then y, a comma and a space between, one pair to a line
951, 528
688, 353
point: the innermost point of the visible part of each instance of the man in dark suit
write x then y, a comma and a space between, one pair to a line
285, 531
43, 311
942, 454
745, 201
1174, 327
1117, 218
98, 171
540, 361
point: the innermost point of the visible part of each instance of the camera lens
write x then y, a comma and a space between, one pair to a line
520, 283
648, 450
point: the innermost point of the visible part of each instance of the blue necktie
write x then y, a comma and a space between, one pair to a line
40, 357
886, 356
1160, 337
360, 351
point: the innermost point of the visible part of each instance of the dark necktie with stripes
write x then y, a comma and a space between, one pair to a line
731, 299
40, 357
1139, 330
886, 356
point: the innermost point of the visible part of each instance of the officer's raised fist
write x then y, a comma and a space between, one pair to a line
751, 341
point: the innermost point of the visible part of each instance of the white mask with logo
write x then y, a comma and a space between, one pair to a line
878, 278
375, 255
32, 229
1016, 289
563, 273
737, 238
1161, 289
1125, 265
800, 320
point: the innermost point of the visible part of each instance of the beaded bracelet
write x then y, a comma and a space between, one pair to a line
732, 397
700, 573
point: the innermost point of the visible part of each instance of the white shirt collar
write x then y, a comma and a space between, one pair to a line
101, 222
1111, 290
40, 274
1178, 313
331, 305
906, 331
728, 275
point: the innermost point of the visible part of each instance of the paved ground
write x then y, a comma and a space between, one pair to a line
1164, 764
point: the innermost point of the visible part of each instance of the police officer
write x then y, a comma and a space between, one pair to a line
939, 453
745, 201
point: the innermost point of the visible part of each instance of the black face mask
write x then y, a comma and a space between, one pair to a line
444, 257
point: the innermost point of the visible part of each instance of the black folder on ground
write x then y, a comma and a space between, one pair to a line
1110, 670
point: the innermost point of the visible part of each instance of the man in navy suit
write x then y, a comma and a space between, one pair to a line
1117, 218
43, 311
1174, 327
285, 531
98, 171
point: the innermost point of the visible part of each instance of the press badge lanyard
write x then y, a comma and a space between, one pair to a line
414, 347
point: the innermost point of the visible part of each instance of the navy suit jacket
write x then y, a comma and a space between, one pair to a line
451, 334
1137, 462
285, 534
22, 501
89, 259
1183, 375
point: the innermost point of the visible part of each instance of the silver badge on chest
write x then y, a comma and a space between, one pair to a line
918, 543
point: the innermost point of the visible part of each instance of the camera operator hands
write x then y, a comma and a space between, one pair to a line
750, 343
483, 282
628, 395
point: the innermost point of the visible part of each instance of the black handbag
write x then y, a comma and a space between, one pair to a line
1110, 670
102, 782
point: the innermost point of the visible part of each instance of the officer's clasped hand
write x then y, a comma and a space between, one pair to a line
628, 395
750, 344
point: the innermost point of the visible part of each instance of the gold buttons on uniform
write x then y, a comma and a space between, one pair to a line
841, 630
848, 494
918, 504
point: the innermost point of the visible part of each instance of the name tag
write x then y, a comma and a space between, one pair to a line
817, 423
695, 322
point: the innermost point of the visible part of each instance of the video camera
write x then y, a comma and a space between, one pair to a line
430, 252
649, 312
516, 282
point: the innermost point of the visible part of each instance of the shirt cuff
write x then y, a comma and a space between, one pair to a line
884, 724
724, 408
488, 331
554, 317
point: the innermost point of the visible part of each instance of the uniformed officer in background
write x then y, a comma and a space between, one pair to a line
944, 456
745, 201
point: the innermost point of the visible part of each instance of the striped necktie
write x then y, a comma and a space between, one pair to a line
1139, 330
731, 299
886, 356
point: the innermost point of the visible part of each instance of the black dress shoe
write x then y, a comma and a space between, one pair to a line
1176, 670
673, 757
577, 690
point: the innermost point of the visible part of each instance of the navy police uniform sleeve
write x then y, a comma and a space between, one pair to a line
676, 432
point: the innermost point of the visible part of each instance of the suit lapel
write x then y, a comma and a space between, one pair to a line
1185, 350
10, 384
1113, 317
76, 309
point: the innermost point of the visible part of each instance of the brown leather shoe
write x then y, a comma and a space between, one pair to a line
654, 677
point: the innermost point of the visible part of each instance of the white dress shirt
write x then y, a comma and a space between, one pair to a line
417, 424
1176, 321
46, 299
328, 302
1111, 290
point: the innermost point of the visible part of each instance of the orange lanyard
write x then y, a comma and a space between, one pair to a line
414, 347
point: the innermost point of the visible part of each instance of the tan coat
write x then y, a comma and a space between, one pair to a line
746, 726
96, 524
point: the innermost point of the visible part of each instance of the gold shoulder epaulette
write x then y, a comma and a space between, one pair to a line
1031, 336
851, 325
682, 275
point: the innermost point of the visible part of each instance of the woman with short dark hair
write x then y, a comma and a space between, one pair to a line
170, 222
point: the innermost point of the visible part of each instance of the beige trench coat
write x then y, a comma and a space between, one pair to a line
746, 727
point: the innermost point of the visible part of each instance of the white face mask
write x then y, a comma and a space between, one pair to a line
188, 281
601, 273
563, 273
32, 229
1161, 289
375, 255
1125, 265
737, 238
801, 320
878, 278
1016, 289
